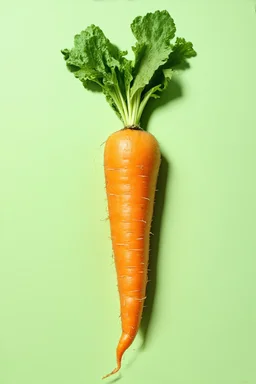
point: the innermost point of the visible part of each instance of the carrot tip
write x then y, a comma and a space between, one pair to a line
111, 373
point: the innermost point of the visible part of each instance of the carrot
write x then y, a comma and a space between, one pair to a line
132, 156
131, 164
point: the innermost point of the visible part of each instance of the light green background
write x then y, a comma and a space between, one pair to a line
59, 308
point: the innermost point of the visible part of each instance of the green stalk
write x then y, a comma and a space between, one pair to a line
129, 105
143, 104
134, 107
124, 106
119, 107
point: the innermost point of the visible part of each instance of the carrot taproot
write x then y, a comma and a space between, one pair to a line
131, 165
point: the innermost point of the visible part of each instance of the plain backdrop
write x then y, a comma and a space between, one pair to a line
59, 310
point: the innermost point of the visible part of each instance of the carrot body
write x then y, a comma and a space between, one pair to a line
131, 165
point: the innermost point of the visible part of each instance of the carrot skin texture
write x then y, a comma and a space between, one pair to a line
131, 165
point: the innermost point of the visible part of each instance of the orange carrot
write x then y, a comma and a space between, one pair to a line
131, 164
132, 156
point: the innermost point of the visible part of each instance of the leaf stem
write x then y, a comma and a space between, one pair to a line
135, 119
143, 104
129, 104
119, 107
123, 105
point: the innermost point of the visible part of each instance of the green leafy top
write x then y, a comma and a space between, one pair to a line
128, 85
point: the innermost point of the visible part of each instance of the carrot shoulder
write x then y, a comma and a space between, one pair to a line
131, 165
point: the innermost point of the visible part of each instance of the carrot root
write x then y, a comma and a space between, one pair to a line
124, 343
111, 373
131, 160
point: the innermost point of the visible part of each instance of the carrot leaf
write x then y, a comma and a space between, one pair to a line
93, 59
153, 33
129, 84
